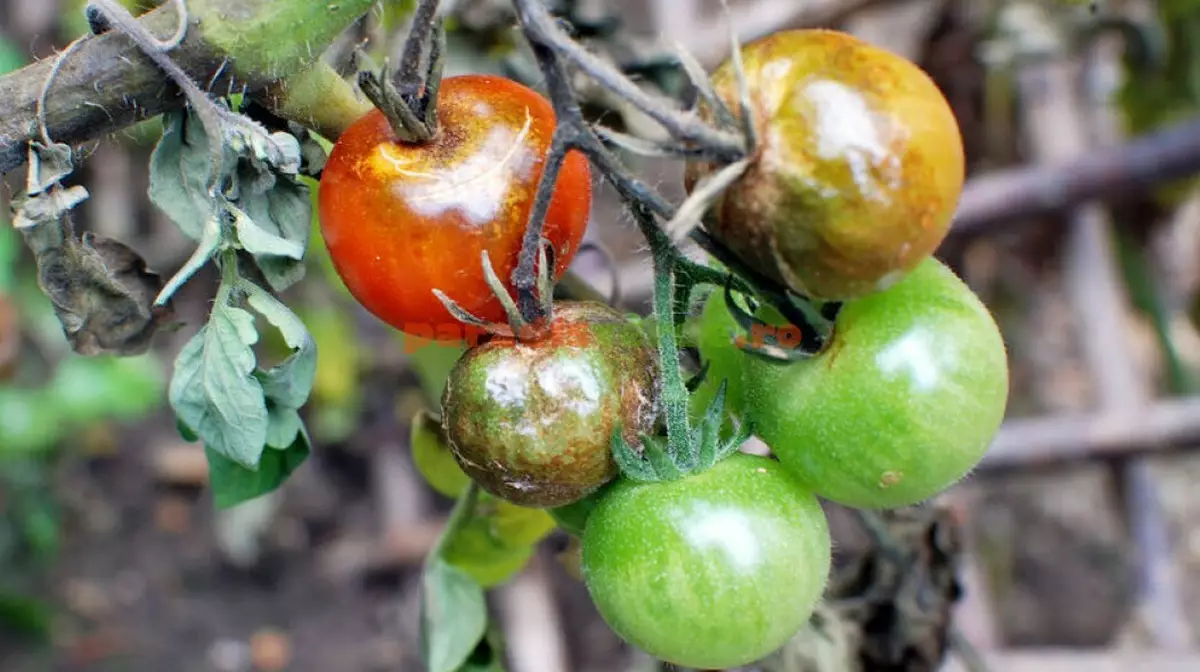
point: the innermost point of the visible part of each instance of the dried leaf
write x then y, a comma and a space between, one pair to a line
101, 290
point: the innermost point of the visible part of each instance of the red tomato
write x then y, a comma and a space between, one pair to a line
403, 219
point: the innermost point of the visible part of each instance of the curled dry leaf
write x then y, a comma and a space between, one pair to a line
101, 290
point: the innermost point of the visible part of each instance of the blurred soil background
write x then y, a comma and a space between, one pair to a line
112, 557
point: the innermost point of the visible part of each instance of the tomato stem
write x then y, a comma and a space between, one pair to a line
542, 31
525, 275
408, 96
460, 515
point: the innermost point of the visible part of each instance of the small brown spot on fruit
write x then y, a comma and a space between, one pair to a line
890, 478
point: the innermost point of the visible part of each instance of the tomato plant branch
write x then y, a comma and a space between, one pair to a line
460, 515
107, 83
573, 132
409, 78
211, 114
686, 449
540, 28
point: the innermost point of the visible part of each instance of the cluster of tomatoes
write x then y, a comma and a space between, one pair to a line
852, 185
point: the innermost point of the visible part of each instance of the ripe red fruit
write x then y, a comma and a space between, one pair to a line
402, 219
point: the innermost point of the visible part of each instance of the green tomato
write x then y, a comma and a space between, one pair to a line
532, 421
903, 401
715, 570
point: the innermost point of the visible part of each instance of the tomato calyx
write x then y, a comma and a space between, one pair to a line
685, 449
406, 97
520, 325
656, 462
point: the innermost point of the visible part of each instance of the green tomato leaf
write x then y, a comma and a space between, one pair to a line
516, 526
283, 424
214, 391
273, 215
233, 483
433, 458
289, 383
432, 361
498, 541
268, 209
453, 616
477, 552
259, 241
179, 168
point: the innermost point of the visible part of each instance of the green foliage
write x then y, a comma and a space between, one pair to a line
233, 483
261, 207
276, 39
499, 539
246, 415
433, 458
79, 392
239, 410
453, 616
1162, 86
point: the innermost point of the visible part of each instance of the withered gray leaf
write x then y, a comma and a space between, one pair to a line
48, 165
101, 290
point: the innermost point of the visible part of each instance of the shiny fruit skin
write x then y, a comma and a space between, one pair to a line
712, 571
402, 219
902, 403
532, 421
858, 169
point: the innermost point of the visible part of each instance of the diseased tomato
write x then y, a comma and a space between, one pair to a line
902, 403
712, 571
858, 169
532, 422
402, 219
